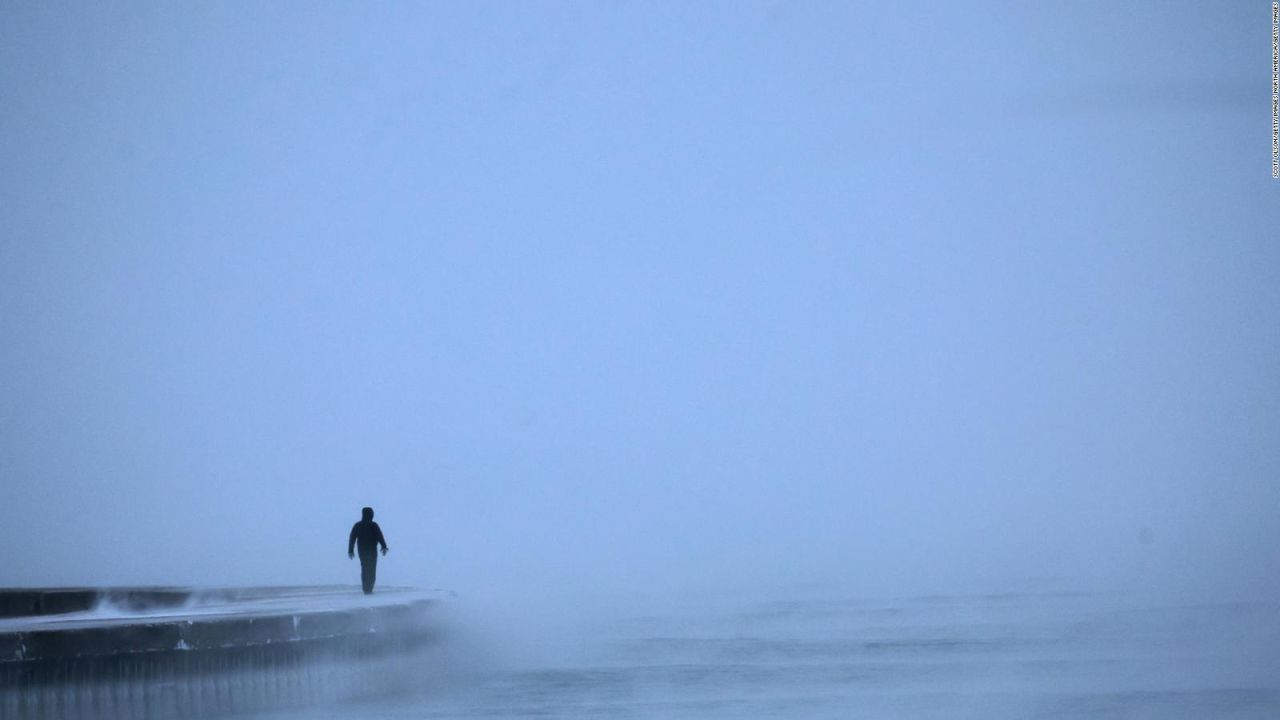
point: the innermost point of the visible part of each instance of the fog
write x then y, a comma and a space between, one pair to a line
640, 299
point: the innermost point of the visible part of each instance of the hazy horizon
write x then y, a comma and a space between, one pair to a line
640, 298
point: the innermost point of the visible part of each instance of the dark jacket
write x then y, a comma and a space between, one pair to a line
368, 535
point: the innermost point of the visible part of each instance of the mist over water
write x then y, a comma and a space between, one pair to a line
818, 654
726, 360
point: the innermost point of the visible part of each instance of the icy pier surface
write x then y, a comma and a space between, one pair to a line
183, 652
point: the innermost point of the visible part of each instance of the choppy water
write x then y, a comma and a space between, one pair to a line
973, 656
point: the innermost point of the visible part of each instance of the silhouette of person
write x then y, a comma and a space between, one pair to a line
368, 535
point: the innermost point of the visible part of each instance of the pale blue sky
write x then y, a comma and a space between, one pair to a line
637, 293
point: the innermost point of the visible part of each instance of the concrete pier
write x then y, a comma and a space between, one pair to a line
127, 653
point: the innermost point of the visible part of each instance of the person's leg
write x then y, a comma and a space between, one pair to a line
368, 567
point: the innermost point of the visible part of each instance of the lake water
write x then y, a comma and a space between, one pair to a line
1046, 655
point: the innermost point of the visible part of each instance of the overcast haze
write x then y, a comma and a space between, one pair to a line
639, 295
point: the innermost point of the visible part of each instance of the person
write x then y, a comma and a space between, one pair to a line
368, 536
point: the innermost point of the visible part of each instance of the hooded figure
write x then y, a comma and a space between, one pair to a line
368, 536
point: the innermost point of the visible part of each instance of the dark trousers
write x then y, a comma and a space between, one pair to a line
368, 571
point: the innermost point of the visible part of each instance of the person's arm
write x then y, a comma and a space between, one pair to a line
351, 541
381, 540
